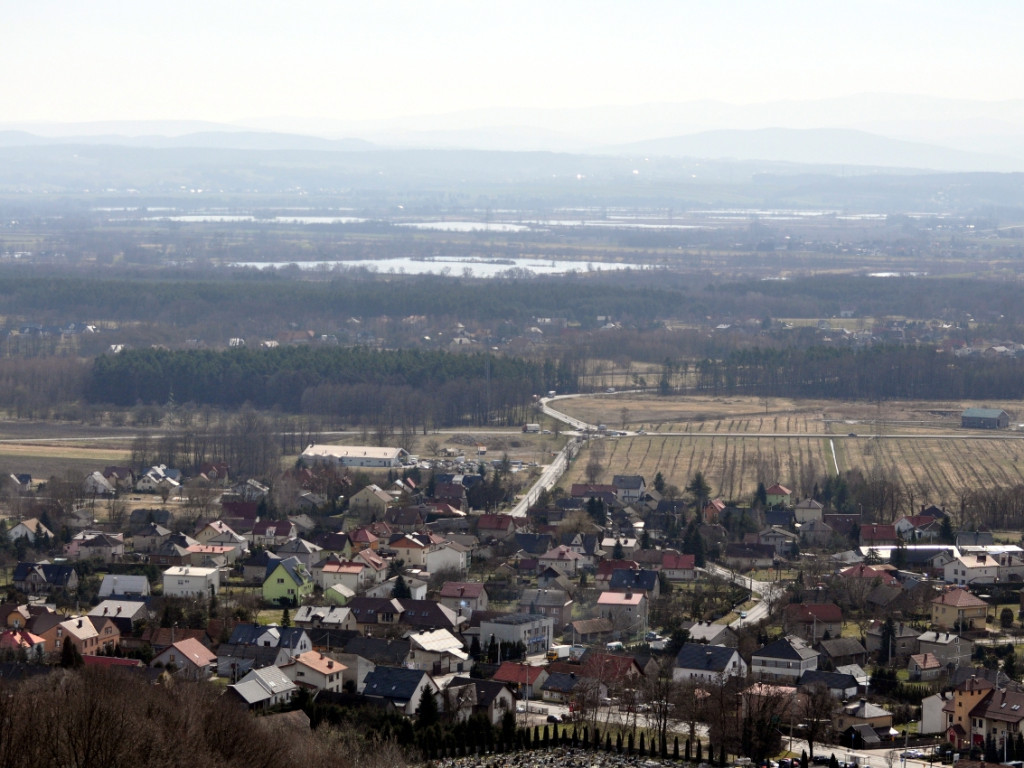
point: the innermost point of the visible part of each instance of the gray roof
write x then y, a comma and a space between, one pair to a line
836, 681
261, 684
842, 646
983, 413
395, 683
789, 647
714, 658
628, 578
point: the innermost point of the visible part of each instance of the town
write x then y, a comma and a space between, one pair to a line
644, 609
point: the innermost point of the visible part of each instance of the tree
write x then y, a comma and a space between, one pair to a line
659, 483
699, 488
286, 619
70, 658
1006, 618
618, 553
887, 641
401, 589
427, 713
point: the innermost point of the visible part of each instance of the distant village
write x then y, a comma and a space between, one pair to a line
596, 604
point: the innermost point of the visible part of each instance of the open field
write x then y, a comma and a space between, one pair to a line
735, 446
56, 460
771, 415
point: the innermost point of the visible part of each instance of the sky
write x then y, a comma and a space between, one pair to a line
229, 61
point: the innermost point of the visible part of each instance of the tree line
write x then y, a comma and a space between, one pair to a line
379, 389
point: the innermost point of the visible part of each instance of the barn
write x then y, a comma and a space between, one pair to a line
984, 418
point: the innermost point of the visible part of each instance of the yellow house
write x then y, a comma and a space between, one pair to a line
958, 608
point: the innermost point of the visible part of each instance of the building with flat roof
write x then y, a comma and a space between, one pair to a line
354, 456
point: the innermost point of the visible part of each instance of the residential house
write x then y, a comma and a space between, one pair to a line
862, 712
808, 510
958, 609
747, 556
590, 631
30, 530
404, 688
187, 658
627, 611
816, 533
271, 534
315, 671
904, 639
525, 680
711, 634
813, 621
126, 614
783, 660
842, 686
567, 687
264, 688
971, 569
635, 580
437, 651
124, 585
629, 488
351, 575
562, 559
708, 663
500, 527
191, 581
841, 651
678, 567
326, 616
96, 484
779, 539
491, 697
919, 528
150, 537
877, 535
95, 545
464, 597
256, 568
948, 647
77, 630
44, 578
923, 667
108, 633
778, 495
174, 551
371, 501
554, 603
289, 583
532, 630
306, 552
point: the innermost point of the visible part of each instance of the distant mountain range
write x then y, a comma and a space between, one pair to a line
866, 130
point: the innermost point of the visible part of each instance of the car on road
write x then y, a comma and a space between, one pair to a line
852, 434
552, 718
917, 754
743, 614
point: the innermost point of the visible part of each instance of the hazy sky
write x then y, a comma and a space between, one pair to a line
351, 61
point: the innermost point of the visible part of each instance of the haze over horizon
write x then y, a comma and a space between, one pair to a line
573, 76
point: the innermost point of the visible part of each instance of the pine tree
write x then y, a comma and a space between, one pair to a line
70, 658
427, 713
286, 619
401, 589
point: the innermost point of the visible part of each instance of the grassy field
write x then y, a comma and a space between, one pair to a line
735, 442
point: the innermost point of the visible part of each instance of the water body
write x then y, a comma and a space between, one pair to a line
453, 265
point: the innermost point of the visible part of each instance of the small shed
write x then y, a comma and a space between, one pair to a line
984, 418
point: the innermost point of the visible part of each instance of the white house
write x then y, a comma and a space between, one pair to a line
971, 569
531, 629
264, 688
191, 581
29, 529
707, 663
784, 660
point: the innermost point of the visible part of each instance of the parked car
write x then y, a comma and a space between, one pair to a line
552, 719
